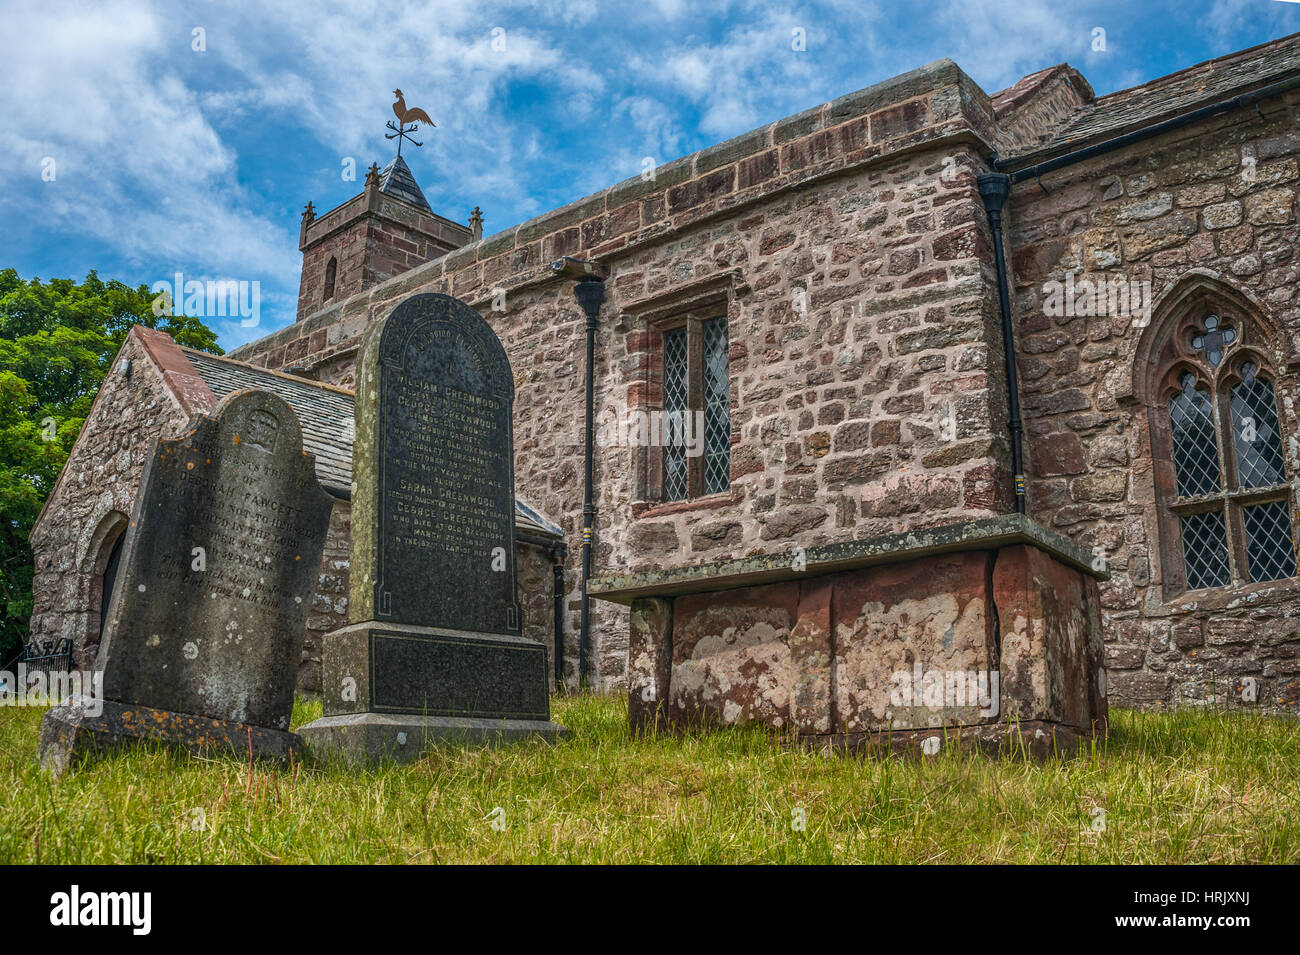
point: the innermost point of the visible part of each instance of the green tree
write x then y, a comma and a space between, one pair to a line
57, 341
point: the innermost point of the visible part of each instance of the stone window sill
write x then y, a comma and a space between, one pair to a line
1262, 594
642, 509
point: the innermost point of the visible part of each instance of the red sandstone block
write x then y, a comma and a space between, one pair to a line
984, 487
698, 191
1058, 453
1051, 639
731, 658
933, 612
812, 656
818, 148
649, 663
756, 170
899, 120
559, 244
295, 349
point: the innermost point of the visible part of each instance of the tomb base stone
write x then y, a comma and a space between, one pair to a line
395, 690
80, 729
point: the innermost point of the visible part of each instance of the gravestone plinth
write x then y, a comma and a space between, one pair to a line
220, 563
434, 650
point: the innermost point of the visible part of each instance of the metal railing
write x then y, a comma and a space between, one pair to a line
48, 657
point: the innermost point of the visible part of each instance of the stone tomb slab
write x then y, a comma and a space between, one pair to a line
209, 607
434, 649
987, 633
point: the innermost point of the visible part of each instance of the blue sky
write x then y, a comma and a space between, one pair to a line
168, 158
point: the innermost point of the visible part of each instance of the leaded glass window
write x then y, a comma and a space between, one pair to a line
675, 395
1205, 550
696, 407
1256, 437
717, 408
1233, 502
1196, 455
1269, 548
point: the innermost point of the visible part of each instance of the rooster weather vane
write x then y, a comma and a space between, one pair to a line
413, 115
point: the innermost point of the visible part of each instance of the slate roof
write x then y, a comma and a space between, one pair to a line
325, 414
1168, 96
397, 180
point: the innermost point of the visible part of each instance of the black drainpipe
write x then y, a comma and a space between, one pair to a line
558, 553
994, 188
590, 293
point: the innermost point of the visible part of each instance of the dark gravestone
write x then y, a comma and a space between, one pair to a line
434, 649
442, 476
209, 606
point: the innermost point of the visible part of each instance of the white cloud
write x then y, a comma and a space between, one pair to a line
177, 159
138, 166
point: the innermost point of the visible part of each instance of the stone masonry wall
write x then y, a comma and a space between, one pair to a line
372, 237
92, 501
1216, 201
850, 254
536, 604
329, 604
348, 248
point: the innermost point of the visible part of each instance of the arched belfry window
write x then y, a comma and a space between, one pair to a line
1227, 503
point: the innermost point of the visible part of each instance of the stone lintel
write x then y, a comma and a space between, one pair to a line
990, 533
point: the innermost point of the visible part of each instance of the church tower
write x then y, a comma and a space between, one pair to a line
386, 230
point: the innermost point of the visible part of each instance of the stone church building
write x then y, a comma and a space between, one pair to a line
827, 295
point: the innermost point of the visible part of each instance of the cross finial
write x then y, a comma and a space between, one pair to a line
372, 175
308, 213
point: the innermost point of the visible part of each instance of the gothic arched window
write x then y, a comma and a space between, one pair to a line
1229, 503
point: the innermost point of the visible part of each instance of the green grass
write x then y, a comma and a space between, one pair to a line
1189, 786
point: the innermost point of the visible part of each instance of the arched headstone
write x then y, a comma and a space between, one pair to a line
434, 649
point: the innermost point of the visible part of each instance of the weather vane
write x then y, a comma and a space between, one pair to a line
413, 115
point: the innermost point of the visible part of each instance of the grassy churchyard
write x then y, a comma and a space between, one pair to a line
1189, 786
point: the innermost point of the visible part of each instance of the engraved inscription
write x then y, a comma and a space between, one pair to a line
445, 482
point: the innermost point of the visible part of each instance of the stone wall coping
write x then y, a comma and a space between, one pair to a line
190, 392
986, 534
962, 113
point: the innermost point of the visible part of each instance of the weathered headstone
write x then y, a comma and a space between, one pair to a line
434, 650
209, 607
